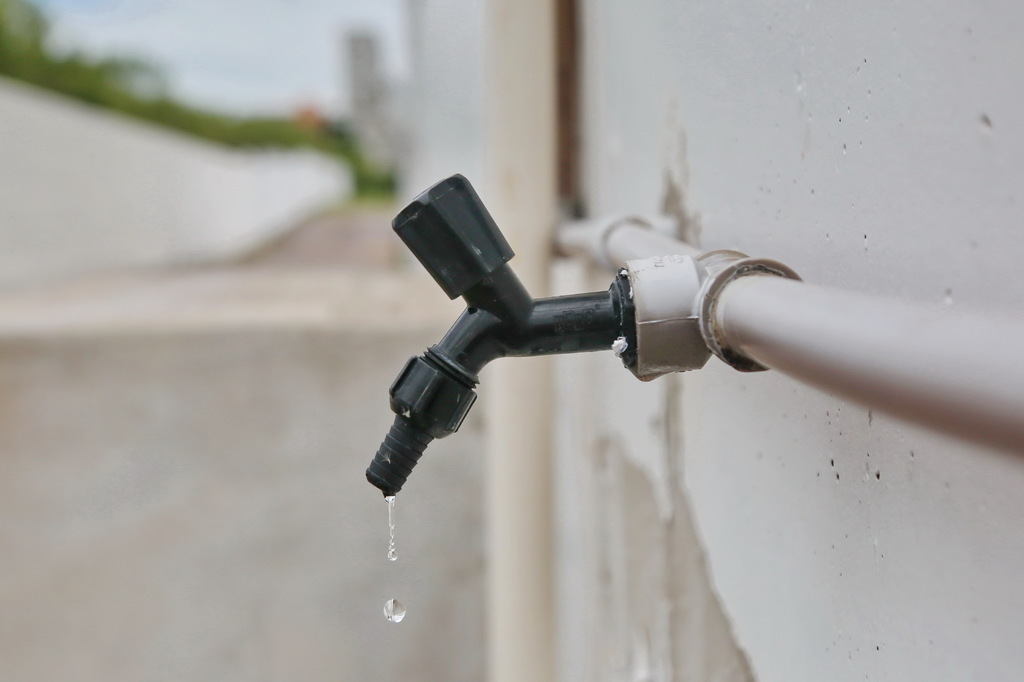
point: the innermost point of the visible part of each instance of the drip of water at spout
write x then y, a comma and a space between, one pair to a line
394, 610
392, 553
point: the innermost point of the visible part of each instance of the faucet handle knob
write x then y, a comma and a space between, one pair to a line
451, 233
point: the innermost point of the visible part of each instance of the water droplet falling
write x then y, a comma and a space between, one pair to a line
392, 554
394, 610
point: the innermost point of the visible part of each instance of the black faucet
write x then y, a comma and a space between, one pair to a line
450, 231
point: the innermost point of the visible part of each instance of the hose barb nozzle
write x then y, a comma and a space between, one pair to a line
397, 455
429, 402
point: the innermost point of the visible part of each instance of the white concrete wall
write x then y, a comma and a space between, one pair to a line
83, 189
872, 146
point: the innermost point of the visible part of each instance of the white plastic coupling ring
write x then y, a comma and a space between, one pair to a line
709, 296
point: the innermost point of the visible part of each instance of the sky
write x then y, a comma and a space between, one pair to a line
237, 56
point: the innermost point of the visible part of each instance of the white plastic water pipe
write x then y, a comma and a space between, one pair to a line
958, 373
613, 242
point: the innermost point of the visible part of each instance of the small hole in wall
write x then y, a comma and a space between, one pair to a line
878, 475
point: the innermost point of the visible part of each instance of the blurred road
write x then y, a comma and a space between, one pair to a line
355, 237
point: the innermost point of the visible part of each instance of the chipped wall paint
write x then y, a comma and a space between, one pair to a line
872, 147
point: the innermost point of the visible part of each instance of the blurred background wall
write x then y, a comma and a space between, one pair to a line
442, 110
83, 190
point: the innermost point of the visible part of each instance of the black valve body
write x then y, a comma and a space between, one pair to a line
450, 231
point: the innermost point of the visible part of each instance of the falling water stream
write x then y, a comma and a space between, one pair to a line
394, 611
392, 554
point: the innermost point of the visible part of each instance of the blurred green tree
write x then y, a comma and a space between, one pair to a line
139, 88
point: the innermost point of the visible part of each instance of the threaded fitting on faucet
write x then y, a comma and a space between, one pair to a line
397, 455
